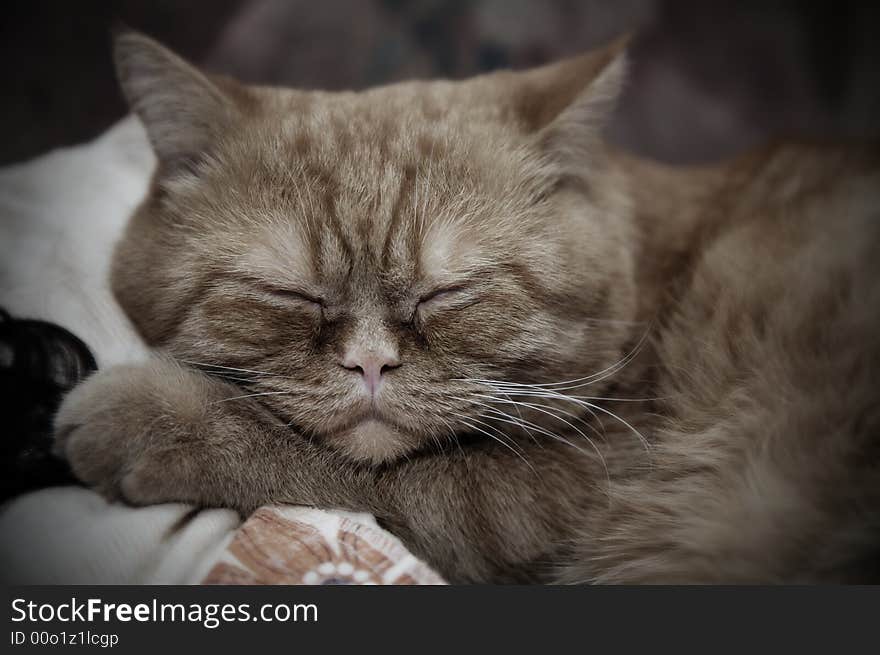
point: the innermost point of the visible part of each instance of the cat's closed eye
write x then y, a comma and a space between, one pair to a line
297, 296
447, 298
441, 294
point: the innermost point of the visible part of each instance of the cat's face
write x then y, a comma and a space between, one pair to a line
362, 260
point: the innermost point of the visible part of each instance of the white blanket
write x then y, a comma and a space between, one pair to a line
60, 215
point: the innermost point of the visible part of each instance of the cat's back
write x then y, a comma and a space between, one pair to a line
788, 243
809, 188
781, 286
763, 278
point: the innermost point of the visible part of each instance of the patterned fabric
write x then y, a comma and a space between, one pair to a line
298, 545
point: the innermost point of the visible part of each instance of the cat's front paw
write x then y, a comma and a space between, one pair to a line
124, 432
100, 431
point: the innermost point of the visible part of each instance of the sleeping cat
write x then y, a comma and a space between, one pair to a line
533, 358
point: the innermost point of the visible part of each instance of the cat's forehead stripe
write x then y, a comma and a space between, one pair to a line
402, 203
412, 198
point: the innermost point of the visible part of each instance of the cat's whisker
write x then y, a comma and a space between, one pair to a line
501, 434
207, 365
530, 391
226, 376
502, 387
546, 410
452, 435
527, 426
438, 435
520, 422
436, 441
547, 394
608, 371
519, 414
563, 386
466, 421
583, 401
556, 437
579, 382
614, 321
254, 395
629, 426
620, 400
524, 424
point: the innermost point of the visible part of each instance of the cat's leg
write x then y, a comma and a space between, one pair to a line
158, 432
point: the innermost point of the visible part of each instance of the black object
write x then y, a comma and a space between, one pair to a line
39, 362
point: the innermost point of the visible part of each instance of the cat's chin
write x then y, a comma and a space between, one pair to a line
373, 441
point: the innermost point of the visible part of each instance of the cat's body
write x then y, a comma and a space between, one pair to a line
532, 358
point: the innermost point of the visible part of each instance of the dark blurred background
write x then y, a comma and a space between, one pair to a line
708, 78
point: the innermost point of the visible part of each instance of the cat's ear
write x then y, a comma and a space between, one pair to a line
182, 110
566, 104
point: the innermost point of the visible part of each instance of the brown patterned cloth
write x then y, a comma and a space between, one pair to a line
299, 545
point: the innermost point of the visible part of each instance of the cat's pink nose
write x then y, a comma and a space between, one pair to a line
371, 365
